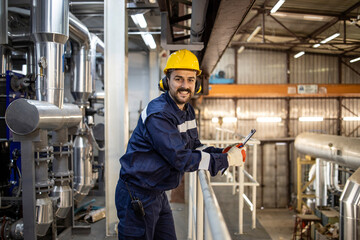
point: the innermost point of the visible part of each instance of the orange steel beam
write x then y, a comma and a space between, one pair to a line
281, 90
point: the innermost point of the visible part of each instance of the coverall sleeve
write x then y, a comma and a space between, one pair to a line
166, 139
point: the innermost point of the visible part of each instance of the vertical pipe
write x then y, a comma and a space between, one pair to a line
50, 31
320, 184
3, 22
116, 100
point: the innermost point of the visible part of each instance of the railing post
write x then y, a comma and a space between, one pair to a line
192, 203
199, 211
241, 199
253, 194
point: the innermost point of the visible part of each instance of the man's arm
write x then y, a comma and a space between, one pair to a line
167, 141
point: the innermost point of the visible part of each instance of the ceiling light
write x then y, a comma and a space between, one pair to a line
351, 118
311, 119
149, 40
330, 38
316, 45
139, 20
277, 6
313, 18
215, 120
241, 49
253, 34
299, 54
268, 119
229, 119
355, 60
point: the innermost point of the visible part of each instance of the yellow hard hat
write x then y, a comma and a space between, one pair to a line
183, 59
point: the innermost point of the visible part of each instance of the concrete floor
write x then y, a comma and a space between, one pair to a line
271, 223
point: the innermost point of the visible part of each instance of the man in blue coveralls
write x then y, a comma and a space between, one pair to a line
163, 146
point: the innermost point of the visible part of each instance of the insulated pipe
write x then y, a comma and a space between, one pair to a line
81, 84
50, 31
4, 59
199, 9
320, 183
40, 115
62, 190
341, 150
350, 208
79, 32
96, 46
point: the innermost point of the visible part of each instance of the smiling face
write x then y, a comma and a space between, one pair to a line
182, 86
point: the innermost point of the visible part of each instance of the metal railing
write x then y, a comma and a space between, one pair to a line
208, 224
223, 138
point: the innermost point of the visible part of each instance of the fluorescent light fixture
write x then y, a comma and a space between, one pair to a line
139, 20
313, 18
311, 119
330, 38
253, 34
351, 118
316, 45
355, 60
277, 6
229, 119
149, 40
299, 54
215, 120
268, 119
241, 49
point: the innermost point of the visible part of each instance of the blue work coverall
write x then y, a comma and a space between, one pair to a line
161, 148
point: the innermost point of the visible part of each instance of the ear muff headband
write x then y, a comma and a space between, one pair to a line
164, 86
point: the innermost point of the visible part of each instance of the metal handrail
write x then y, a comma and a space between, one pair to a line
205, 218
216, 220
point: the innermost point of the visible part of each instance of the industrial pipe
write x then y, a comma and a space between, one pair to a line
78, 31
341, 150
4, 22
40, 115
199, 8
50, 31
350, 208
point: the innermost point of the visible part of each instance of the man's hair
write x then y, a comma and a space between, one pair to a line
168, 73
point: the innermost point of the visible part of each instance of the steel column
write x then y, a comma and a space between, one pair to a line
116, 101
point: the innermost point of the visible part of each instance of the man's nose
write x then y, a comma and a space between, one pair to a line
185, 84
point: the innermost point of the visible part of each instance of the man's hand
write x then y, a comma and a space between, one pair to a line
237, 155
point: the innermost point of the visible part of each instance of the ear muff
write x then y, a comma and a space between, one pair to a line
164, 86
197, 87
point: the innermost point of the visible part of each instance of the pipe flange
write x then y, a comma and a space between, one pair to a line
63, 177
45, 186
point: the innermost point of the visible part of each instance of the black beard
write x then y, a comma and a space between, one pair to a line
184, 89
